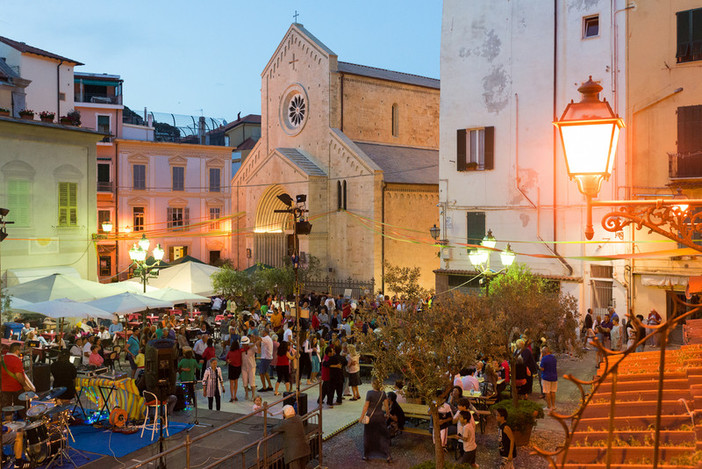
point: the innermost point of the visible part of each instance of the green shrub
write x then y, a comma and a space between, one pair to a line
524, 416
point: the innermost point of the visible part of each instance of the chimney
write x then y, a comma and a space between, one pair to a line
150, 120
202, 130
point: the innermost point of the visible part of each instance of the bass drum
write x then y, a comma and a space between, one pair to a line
37, 438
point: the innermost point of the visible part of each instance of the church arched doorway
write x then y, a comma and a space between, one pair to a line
270, 238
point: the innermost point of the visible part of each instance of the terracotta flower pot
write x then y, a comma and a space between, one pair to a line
65, 121
521, 438
50, 120
5, 113
29, 117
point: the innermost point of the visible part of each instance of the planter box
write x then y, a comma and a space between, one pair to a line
627, 409
671, 422
4, 113
27, 117
667, 437
621, 454
49, 120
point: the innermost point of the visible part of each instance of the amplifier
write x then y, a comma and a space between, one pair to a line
113, 376
86, 372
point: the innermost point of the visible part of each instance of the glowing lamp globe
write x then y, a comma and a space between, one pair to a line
589, 133
507, 256
489, 240
144, 243
136, 253
107, 226
158, 252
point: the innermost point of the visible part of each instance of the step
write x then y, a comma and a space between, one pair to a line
624, 466
627, 409
643, 438
620, 454
649, 376
630, 385
645, 395
636, 422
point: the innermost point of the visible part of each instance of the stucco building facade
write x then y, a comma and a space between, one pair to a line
508, 69
361, 143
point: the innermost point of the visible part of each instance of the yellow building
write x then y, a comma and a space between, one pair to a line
361, 143
664, 124
47, 181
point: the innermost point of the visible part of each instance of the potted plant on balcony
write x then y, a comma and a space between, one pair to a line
4, 112
74, 116
65, 120
47, 116
27, 114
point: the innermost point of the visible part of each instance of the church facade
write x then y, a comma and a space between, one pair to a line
362, 144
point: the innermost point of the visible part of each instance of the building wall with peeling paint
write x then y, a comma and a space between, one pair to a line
497, 69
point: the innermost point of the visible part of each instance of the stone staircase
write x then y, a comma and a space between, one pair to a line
635, 414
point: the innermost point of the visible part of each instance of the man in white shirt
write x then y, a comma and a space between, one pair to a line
198, 350
287, 334
86, 350
470, 382
266, 358
77, 348
330, 304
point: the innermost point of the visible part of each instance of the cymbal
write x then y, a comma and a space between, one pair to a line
56, 392
13, 408
26, 396
37, 410
58, 409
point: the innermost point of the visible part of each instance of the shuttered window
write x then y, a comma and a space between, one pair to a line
689, 43
215, 185
177, 218
178, 178
475, 149
19, 200
475, 227
139, 176
68, 204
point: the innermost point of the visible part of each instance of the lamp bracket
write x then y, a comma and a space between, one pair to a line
663, 217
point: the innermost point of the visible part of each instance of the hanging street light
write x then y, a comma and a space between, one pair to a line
589, 132
480, 258
138, 254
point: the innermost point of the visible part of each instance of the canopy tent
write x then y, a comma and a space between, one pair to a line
174, 296
57, 286
189, 277
125, 303
19, 304
27, 274
65, 308
133, 287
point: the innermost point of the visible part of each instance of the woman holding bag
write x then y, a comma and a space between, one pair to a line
376, 437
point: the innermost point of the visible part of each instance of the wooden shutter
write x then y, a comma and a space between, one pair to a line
63, 204
689, 129
475, 227
186, 217
489, 148
684, 35
72, 204
18, 201
461, 149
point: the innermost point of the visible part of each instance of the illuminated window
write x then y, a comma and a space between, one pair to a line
475, 149
138, 218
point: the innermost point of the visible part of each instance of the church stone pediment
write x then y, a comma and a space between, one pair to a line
302, 44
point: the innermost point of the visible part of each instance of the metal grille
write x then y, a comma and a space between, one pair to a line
358, 288
270, 248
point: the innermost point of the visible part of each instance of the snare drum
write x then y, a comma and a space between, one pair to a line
36, 411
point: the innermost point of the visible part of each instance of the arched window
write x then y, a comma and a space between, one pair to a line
395, 120
339, 196
344, 191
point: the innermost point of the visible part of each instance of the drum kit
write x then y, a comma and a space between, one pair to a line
43, 437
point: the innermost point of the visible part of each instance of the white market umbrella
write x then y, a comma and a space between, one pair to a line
19, 303
133, 287
190, 277
66, 308
58, 286
126, 303
175, 297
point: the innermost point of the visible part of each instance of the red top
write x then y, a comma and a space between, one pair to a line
14, 364
283, 360
325, 369
208, 354
234, 357
346, 310
505, 365
315, 322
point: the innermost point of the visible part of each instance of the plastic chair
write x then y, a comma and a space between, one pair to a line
152, 402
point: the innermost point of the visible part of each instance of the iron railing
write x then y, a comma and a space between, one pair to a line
337, 287
314, 435
613, 359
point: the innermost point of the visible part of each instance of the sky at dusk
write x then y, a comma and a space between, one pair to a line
207, 56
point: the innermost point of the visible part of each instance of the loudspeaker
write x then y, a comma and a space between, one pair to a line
290, 400
42, 377
160, 368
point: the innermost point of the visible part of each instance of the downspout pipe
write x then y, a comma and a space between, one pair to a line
382, 236
58, 89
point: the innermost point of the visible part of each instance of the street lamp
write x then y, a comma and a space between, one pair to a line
589, 133
435, 232
138, 253
480, 257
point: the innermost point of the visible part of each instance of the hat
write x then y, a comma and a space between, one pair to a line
187, 349
245, 341
288, 411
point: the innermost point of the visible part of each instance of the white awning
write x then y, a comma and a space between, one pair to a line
17, 276
664, 281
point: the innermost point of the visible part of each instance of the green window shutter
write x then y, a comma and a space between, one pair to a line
489, 149
475, 227
684, 35
461, 149
19, 201
68, 204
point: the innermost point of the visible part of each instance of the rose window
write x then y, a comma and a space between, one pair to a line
297, 110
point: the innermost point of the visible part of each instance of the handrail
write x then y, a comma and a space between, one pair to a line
187, 444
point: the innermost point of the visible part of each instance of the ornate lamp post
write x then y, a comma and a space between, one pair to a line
589, 133
480, 258
138, 253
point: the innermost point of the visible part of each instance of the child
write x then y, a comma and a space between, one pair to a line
505, 437
258, 406
467, 435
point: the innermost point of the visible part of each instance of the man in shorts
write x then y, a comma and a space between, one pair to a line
265, 364
549, 377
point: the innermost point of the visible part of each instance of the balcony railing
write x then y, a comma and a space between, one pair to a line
98, 98
685, 165
103, 186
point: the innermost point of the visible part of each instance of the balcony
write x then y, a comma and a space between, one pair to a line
685, 165
98, 98
105, 186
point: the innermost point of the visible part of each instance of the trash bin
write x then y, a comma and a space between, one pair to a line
13, 329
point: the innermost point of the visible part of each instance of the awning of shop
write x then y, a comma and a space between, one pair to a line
663, 280
98, 82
